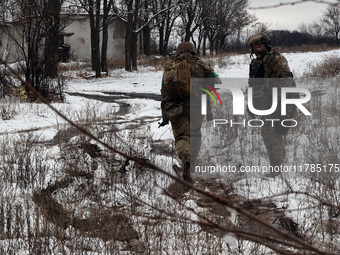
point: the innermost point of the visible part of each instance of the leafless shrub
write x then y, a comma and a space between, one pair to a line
116, 63
84, 184
306, 48
152, 61
329, 68
6, 83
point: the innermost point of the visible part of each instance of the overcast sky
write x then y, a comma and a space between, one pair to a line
290, 16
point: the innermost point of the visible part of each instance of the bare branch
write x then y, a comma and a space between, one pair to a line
151, 165
294, 3
153, 17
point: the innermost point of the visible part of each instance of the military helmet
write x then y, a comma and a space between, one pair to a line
259, 37
186, 47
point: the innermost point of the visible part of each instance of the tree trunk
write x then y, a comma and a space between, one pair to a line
133, 45
131, 36
97, 39
211, 47
204, 45
128, 37
134, 42
187, 31
95, 36
104, 49
146, 32
165, 48
147, 41
107, 7
52, 23
161, 40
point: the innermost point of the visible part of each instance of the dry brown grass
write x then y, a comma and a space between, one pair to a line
157, 62
306, 48
328, 68
71, 206
116, 63
107, 184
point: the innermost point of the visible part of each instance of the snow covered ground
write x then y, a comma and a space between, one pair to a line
143, 81
130, 101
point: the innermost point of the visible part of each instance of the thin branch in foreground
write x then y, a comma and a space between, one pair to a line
152, 166
293, 3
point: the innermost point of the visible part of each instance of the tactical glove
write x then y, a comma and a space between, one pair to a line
163, 123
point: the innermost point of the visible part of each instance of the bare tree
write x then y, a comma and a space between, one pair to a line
191, 17
100, 19
128, 12
168, 12
142, 16
35, 34
131, 35
52, 23
226, 18
147, 29
93, 8
314, 30
107, 6
331, 22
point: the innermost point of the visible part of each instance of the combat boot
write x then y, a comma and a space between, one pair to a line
186, 168
177, 170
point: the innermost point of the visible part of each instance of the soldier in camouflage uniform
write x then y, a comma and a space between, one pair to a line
177, 111
270, 64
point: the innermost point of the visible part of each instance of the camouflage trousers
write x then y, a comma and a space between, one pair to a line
275, 145
184, 133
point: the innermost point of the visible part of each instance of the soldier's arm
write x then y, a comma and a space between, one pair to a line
282, 70
281, 67
210, 73
216, 78
165, 119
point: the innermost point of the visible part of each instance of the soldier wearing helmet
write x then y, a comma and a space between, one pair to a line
270, 64
177, 110
186, 47
259, 39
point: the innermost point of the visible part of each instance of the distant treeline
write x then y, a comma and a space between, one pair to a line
286, 38
296, 38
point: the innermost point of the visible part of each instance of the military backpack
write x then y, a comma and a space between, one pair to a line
176, 79
262, 89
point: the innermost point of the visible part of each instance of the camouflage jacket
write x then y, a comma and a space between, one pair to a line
198, 69
272, 65
261, 77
